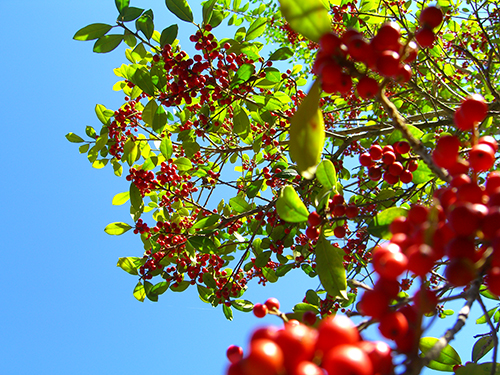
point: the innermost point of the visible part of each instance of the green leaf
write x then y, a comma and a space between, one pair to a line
202, 244
242, 305
183, 164
326, 174
243, 74
160, 287
209, 280
263, 258
283, 53
130, 151
228, 313
303, 307
92, 31
107, 43
103, 114
147, 288
208, 10
483, 319
130, 14
121, 5
128, 264
309, 18
142, 78
239, 204
168, 35
120, 198
206, 222
284, 269
290, 207
379, 226
181, 287
256, 29
241, 123
166, 147
330, 268
159, 119
72, 137
135, 197
482, 347
181, 9
117, 228
448, 358
145, 24
254, 188
396, 135
269, 274
139, 292
307, 133
423, 174
477, 369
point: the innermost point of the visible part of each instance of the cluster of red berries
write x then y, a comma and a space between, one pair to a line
430, 18
334, 348
383, 54
337, 209
389, 163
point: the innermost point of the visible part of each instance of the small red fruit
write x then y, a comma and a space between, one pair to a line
402, 147
375, 152
347, 360
314, 219
474, 108
265, 358
336, 331
339, 232
260, 310
425, 37
272, 304
431, 17
234, 353
393, 325
367, 88
312, 233
388, 63
481, 157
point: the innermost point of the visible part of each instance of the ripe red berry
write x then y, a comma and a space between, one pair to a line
312, 233
374, 303
388, 63
393, 325
260, 310
474, 108
421, 259
314, 219
308, 368
265, 358
406, 177
460, 271
481, 157
490, 141
335, 331
374, 173
431, 17
425, 37
365, 159
375, 152
380, 355
461, 122
347, 360
297, 343
391, 264
387, 37
339, 232
388, 157
446, 152
404, 74
329, 43
402, 147
272, 304
351, 211
396, 168
367, 88
234, 353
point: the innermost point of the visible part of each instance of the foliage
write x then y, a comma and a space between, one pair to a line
227, 153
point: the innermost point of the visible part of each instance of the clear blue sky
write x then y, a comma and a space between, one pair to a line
65, 306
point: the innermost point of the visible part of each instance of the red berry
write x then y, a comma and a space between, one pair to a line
406, 177
365, 159
388, 157
490, 141
402, 147
329, 43
374, 303
272, 304
474, 108
265, 358
351, 211
347, 360
387, 38
391, 265
461, 122
431, 17
308, 368
234, 353
314, 219
374, 173
335, 331
297, 343
339, 232
388, 63
260, 310
393, 325
425, 37
380, 355
396, 168
481, 157
375, 152
460, 272
312, 233
367, 88
404, 74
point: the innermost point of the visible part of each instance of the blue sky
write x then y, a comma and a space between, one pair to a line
66, 308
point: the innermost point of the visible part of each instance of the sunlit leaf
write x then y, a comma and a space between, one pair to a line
309, 18
139, 292
168, 35
290, 207
120, 198
92, 31
256, 29
326, 174
482, 347
72, 137
128, 264
117, 228
181, 9
307, 134
330, 268
379, 226
107, 43
282, 53
447, 359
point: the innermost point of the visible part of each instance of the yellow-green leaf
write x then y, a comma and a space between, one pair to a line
326, 174
330, 268
139, 292
92, 31
307, 17
448, 358
307, 134
290, 207
117, 228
